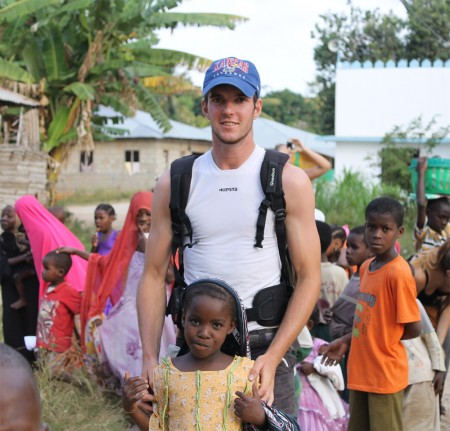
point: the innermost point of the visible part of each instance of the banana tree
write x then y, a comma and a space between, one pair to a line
76, 54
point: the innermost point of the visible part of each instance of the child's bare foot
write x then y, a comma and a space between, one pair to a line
20, 303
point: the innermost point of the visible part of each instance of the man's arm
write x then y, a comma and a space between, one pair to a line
151, 294
304, 250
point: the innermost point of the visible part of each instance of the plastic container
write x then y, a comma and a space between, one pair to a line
437, 176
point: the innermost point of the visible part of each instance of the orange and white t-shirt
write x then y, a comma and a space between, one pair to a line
386, 302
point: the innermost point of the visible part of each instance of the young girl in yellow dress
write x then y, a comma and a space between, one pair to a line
208, 387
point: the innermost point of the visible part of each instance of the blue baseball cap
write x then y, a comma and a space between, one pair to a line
241, 74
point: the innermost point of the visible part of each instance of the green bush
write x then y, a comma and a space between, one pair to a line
343, 201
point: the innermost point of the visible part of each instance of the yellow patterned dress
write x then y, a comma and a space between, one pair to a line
198, 400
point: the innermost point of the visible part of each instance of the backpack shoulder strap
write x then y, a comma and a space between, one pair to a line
180, 183
271, 182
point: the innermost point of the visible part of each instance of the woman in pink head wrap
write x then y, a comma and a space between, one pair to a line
47, 233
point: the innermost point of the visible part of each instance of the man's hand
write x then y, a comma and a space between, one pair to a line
265, 369
250, 409
147, 374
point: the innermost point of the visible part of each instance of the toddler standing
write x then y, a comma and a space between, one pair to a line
59, 305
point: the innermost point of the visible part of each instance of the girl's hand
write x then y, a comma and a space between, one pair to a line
307, 368
133, 390
94, 240
250, 409
142, 240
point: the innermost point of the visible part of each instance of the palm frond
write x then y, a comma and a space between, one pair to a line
13, 72
167, 57
81, 90
24, 7
169, 85
112, 101
54, 55
173, 19
149, 104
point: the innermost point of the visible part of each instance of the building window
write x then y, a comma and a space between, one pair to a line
86, 161
132, 165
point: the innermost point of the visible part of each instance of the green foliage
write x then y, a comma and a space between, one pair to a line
370, 35
402, 144
92, 52
290, 108
344, 200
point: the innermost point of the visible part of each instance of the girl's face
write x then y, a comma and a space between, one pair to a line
207, 321
103, 221
8, 218
144, 220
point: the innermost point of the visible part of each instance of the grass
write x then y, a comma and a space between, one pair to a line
79, 406
344, 200
80, 230
81, 198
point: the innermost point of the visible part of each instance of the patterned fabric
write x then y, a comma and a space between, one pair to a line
427, 238
205, 399
313, 414
56, 317
106, 275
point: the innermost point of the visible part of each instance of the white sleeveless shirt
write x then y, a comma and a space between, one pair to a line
223, 208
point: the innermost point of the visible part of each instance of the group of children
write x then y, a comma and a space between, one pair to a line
370, 334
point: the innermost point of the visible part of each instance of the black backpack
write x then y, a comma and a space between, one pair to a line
269, 303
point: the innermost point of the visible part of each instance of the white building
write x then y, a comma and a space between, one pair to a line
372, 99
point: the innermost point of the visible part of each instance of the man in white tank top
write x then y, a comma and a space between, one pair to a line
223, 207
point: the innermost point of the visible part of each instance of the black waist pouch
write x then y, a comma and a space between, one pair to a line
269, 305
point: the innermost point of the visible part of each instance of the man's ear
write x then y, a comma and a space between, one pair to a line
258, 108
205, 108
401, 229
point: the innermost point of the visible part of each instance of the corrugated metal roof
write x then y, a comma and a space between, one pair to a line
142, 125
267, 133
16, 98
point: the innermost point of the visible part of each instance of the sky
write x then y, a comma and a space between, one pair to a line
276, 37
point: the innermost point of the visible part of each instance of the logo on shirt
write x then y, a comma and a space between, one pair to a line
228, 189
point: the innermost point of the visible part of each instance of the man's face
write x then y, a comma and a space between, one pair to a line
231, 114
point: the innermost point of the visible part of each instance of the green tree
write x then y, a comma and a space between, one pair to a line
403, 144
76, 54
370, 35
